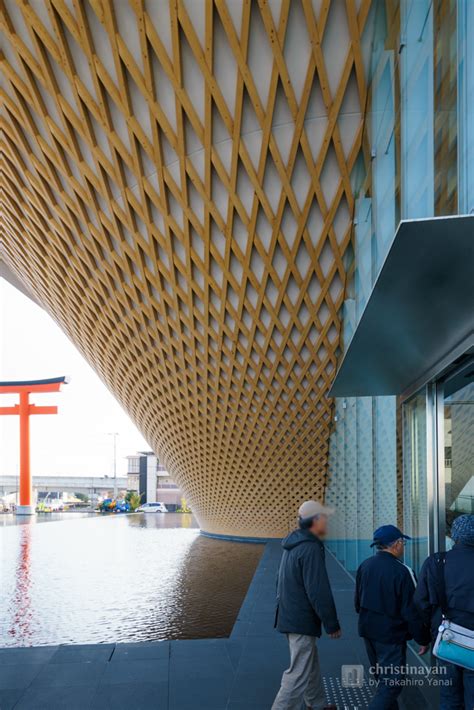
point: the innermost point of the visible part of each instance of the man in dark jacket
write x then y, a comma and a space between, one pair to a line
454, 570
305, 601
388, 617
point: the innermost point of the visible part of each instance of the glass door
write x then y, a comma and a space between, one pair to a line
438, 461
457, 458
416, 487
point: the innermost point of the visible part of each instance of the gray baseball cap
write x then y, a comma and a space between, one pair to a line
311, 508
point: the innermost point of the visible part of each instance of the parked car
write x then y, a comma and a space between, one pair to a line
110, 505
152, 508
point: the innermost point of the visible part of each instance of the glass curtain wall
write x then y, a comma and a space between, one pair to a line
465, 28
363, 449
445, 71
416, 106
417, 161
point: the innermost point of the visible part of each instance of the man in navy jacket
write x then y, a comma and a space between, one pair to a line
304, 603
388, 617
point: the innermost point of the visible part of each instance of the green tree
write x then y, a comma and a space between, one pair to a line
134, 499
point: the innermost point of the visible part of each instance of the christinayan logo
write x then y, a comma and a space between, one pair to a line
394, 670
354, 676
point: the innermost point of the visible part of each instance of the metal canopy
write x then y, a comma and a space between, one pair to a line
420, 312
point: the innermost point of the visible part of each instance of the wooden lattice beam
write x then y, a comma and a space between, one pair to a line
176, 193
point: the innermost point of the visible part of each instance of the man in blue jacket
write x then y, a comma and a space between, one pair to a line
388, 617
304, 603
457, 597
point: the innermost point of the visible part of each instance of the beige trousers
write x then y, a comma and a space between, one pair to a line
302, 680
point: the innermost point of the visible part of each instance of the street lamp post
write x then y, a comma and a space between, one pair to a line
115, 435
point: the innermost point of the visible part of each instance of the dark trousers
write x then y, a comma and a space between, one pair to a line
384, 658
458, 691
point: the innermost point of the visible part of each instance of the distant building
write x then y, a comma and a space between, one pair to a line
133, 472
150, 478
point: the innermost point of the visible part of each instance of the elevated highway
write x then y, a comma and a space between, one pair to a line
91, 486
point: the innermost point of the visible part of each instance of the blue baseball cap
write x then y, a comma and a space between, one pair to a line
387, 534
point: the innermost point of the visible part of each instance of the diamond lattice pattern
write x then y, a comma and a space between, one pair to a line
176, 194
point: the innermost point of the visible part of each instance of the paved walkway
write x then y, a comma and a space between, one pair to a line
239, 673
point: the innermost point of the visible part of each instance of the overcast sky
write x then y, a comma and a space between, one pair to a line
75, 441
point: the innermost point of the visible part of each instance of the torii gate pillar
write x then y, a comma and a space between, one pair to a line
24, 409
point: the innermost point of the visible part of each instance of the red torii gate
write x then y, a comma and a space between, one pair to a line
24, 409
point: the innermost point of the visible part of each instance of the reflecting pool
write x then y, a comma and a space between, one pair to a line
97, 579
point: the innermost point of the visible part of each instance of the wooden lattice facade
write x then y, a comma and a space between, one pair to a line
176, 193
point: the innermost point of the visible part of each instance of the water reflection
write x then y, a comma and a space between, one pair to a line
131, 578
184, 521
22, 612
8, 520
212, 576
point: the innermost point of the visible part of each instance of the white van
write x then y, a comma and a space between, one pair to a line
152, 508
